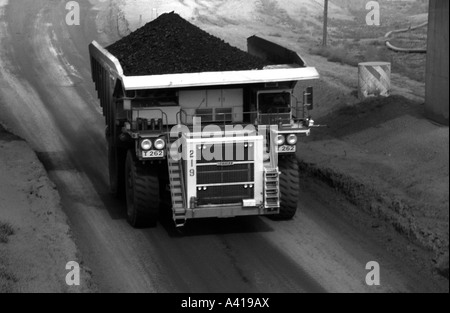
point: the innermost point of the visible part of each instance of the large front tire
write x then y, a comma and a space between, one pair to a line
289, 185
142, 192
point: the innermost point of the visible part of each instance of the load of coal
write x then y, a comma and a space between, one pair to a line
172, 45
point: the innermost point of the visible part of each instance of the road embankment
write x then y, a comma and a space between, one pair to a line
393, 165
36, 241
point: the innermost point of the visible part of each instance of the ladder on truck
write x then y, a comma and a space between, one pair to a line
176, 187
272, 188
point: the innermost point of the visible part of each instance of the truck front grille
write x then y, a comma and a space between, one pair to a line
213, 174
223, 173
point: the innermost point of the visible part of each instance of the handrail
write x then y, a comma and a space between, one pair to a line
258, 121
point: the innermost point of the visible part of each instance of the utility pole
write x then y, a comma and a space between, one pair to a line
325, 23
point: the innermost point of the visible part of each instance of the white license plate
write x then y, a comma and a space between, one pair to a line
152, 154
287, 149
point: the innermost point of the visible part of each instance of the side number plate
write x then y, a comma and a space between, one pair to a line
287, 149
152, 154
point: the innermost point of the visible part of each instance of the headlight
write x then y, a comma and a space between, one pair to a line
146, 144
160, 144
292, 139
281, 140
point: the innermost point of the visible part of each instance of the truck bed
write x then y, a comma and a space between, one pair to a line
108, 74
292, 70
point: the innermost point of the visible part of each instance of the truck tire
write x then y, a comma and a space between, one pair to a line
142, 192
116, 164
289, 184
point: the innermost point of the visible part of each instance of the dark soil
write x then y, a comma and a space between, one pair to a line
170, 45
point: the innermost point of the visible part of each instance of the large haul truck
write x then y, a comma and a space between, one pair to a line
210, 144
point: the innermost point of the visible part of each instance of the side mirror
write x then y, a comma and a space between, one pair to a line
308, 98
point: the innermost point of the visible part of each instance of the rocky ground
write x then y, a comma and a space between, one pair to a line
35, 239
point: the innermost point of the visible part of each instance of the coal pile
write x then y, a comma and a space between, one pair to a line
171, 45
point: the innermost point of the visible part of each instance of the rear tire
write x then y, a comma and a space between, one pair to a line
142, 192
289, 185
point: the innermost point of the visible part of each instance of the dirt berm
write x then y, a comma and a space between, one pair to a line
35, 238
170, 45
391, 163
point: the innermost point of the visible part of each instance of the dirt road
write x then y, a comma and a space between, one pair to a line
48, 98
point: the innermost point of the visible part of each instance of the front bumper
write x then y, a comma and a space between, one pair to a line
228, 211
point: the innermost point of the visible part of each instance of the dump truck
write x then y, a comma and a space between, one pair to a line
207, 144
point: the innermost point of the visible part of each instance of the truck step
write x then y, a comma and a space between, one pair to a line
177, 199
176, 190
272, 188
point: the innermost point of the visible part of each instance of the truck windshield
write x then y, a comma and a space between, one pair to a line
279, 102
